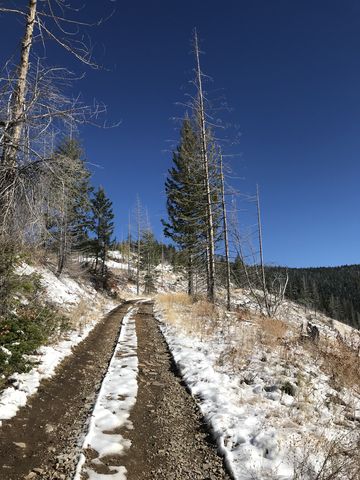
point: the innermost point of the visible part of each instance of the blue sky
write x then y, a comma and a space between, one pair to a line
290, 70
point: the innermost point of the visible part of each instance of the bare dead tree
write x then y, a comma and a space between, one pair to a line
225, 235
129, 246
47, 113
205, 160
23, 102
13, 125
139, 221
267, 295
261, 255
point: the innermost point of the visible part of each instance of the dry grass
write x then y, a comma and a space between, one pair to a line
272, 331
79, 315
199, 318
169, 300
204, 309
337, 359
242, 331
341, 363
335, 459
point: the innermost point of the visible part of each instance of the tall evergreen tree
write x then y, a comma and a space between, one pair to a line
150, 257
102, 226
68, 201
185, 199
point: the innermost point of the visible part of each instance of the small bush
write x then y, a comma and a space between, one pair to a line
335, 459
341, 363
22, 332
171, 299
288, 388
271, 330
25, 324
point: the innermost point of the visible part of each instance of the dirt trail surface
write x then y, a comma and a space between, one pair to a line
41, 442
169, 438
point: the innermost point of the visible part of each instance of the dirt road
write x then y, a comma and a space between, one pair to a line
169, 440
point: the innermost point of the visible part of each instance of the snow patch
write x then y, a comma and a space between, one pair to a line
260, 429
116, 398
60, 290
47, 359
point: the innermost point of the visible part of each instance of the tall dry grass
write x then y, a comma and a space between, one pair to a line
240, 332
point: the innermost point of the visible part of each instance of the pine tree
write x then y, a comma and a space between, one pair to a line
184, 190
238, 272
68, 201
150, 258
102, 226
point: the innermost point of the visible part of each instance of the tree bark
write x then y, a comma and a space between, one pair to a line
138, 221
204, 154
129, 247
12, 133
190, 274
262, 267
15, 124
226, 239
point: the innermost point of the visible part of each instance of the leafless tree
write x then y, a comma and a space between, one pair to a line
31, 101
268, 295
139, 222
225, 235
201, 114
34, 110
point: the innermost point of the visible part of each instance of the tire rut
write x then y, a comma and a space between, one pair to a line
169, 440
42, 440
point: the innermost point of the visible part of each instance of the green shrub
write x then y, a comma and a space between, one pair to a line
288, 388
25, 325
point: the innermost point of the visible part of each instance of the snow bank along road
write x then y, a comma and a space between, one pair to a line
116, 409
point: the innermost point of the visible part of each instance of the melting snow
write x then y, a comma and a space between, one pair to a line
61, 291
112, 410
257, 426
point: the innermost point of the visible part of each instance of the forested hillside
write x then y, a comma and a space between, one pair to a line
332, 290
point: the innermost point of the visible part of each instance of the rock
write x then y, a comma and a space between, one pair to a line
49, 428
30, 476
40, 471
20, 444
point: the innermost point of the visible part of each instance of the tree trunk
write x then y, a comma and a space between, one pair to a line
204, 154
14, 124
62, 250
12, 133
103, 266
129, 247
262, 267
138, 254
62, 236
226, 239
97, 246
190, 274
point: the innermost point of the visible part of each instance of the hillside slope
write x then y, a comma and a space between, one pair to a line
282, 406
70, 307
333, 290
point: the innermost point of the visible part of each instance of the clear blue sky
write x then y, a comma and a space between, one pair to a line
291, 72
